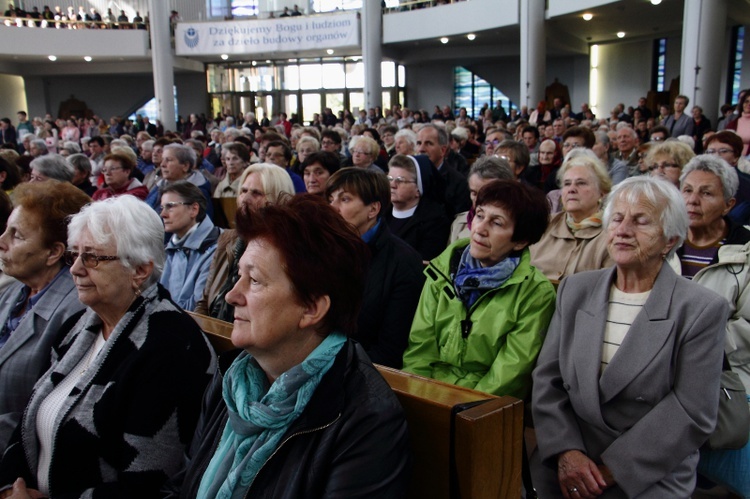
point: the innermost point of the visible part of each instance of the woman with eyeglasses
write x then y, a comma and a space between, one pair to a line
114, 412
117, 171
42, 298
364, 151
665, 160
728, 146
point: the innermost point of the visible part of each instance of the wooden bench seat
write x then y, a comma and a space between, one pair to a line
465, 443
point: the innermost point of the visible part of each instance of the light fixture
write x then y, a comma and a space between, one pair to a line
52, 58
329, 51
268, 61
444, 40
471, 36
87, 58
254, 63
587, 16
620, 34
224, 57
655, 2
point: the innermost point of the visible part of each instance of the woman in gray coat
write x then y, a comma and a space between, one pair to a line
626, 387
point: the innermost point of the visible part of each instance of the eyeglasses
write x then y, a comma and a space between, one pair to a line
571, 145
400, 180
328, 143
492, 142
656, 139
721, 151
111, 169
663, 166
170, 206
89, 260
363, 153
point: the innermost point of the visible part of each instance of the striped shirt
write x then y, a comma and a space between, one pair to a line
622, 310
694, 258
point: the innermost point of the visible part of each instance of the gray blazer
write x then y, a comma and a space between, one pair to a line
26, 354
656, 402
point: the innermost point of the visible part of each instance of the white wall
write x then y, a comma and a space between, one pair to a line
111, 95
14, 96
624, 74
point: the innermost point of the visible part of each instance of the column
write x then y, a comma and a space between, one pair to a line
372, 52
533, 53
703, 36
162, 62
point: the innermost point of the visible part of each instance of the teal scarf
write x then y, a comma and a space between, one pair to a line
258, 419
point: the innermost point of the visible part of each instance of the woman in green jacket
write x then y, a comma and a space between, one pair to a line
484, 309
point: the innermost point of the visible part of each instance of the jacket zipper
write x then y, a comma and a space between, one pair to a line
305, 432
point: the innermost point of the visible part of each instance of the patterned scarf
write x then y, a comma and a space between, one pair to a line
594, 220
472, 280
258, 419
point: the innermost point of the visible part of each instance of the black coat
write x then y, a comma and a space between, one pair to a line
394, 283
351, 440
426, 231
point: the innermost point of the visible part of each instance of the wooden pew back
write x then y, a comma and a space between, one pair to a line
464, 443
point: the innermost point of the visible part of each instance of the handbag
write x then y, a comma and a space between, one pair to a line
733, 422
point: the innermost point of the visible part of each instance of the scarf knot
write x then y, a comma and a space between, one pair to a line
472, 280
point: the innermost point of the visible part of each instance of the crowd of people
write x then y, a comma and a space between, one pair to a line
72, 19
596, 268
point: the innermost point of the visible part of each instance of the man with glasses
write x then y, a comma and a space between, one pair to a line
658, 134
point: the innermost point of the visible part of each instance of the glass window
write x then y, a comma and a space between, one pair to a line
335, 102
661, 63
310, 76
355, 75
329, 5
333, 76
241, 7
388, 74
356, 102
472, 92
386, 100
266, 80
401, 76
736, 62
310, 106
290, 104
290, 77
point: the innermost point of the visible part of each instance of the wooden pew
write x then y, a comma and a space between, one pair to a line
464, 443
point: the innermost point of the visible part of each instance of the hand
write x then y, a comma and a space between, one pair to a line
579, 476
20, 491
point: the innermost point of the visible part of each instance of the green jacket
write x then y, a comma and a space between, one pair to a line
506, 332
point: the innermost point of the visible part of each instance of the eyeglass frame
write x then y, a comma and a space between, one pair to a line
663, 166
169, 206
71, 256
399, 180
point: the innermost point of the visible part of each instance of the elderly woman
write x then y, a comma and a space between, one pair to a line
665, 160
394, 279
117, 170
482, 172
306, 145
235, 157
484, 309
260, 184
112, 415
728, 146
716, 254
51, 166
317, 169
33, 309
364, 151
626, 386
177, 163
300, 411
405, 142
574, 240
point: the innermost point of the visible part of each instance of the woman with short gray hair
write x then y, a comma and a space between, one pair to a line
626, 386
51, 166
716, 254
112, 389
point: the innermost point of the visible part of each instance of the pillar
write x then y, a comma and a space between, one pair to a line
372, 52
162, 62
533, 52
703, 36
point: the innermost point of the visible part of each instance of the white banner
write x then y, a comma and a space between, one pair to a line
286, 34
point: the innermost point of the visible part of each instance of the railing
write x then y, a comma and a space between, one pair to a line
408, 5
28, 22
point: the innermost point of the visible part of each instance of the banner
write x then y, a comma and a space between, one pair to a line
286, 34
